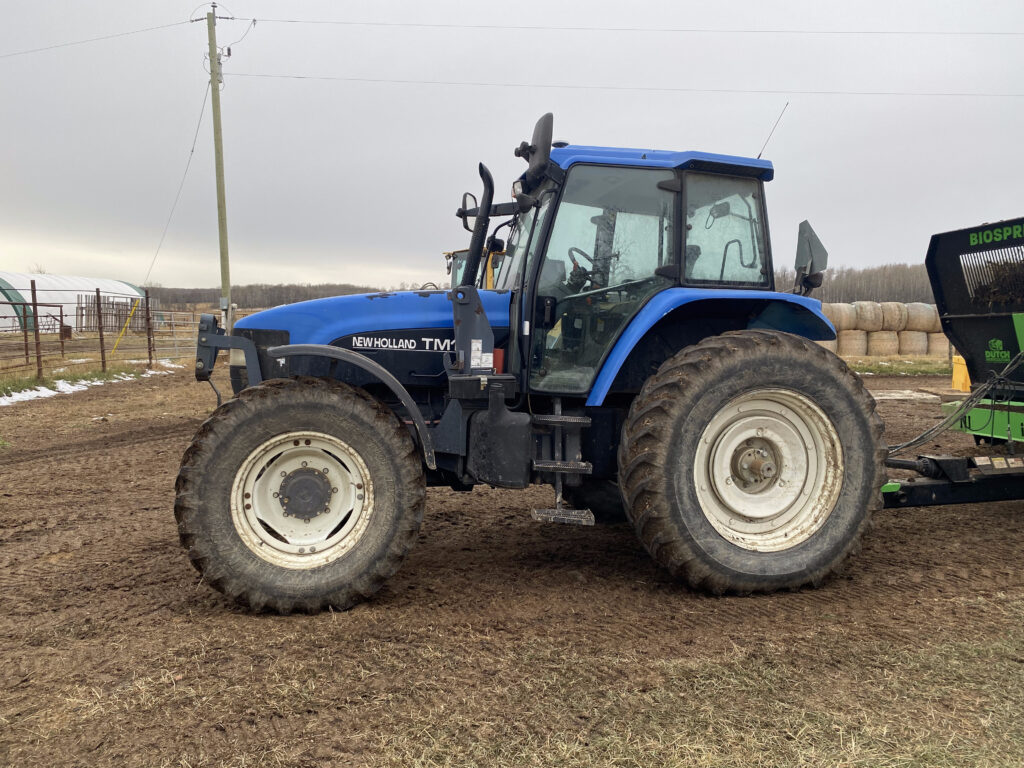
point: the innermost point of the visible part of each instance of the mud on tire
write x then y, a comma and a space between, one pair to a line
298, 495
751, 462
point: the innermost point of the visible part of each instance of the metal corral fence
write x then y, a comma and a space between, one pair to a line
99, 330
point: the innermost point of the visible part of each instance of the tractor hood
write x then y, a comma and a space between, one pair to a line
322, 321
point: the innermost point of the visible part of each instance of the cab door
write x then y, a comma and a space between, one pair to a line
612, 245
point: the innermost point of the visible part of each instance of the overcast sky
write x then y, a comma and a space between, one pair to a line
330, 180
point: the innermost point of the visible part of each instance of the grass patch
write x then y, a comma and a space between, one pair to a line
13, 384
466, 701
896, 366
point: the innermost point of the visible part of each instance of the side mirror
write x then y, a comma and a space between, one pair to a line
811, 259
469, 203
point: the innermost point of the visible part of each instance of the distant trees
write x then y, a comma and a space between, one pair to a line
256, 296
890, 282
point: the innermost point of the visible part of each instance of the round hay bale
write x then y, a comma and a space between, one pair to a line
852, 344
883, 344
937, 324
894, 315
842, 316
921, 317
938, 345
869, 315
831, 346
913, 343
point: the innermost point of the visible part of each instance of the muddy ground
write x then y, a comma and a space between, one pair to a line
500, 642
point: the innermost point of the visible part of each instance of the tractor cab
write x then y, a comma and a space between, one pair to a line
594, 233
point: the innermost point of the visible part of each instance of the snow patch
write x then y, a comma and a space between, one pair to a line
904, 394
62, 387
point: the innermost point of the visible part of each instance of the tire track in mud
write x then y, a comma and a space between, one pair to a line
108, 442
81, 515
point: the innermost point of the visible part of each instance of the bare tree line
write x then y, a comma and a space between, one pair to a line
256, 296
891, 282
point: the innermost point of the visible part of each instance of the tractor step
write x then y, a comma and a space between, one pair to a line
572, 467
557, 419
566, 516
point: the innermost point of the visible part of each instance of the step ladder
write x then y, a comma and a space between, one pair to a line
560, 466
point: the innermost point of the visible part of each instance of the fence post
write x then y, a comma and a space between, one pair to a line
149, 331
99, 324
35, 327
60, 331
24, 331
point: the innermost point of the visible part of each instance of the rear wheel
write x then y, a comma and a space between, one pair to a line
751, 462
300, 495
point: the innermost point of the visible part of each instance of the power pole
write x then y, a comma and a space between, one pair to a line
218, 154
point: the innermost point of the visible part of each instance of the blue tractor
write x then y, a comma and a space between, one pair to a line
616, 335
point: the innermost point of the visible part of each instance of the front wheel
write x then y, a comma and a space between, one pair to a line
300, 495
751, 462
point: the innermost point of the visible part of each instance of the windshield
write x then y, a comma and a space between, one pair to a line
507, 275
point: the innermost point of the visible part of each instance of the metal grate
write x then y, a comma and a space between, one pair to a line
994, 277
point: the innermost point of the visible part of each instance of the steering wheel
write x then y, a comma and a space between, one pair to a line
580, 253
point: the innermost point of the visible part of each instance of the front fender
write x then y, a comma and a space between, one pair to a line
799, 315
382, 373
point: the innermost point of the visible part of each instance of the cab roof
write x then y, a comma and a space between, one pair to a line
657, 158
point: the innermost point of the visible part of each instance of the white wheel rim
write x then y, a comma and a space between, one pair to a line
768, 470
302, 499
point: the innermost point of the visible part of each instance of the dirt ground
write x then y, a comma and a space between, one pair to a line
500, 642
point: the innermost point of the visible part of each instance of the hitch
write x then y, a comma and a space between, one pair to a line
211, 339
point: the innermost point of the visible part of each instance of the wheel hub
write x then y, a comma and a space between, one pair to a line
754, 465
302, 499
768, 469
305, 493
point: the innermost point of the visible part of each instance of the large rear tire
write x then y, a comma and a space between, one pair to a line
751, 462
300, 494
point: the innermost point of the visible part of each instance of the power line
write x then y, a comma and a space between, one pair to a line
661, 30
569, 86
181, 184
90, 40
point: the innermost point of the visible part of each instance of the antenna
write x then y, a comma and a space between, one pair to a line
772, 131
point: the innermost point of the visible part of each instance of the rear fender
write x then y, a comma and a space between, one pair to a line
689, 312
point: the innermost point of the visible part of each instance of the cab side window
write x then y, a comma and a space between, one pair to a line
725, 240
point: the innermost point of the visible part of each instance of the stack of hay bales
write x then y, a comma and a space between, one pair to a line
873, 329
844, 318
